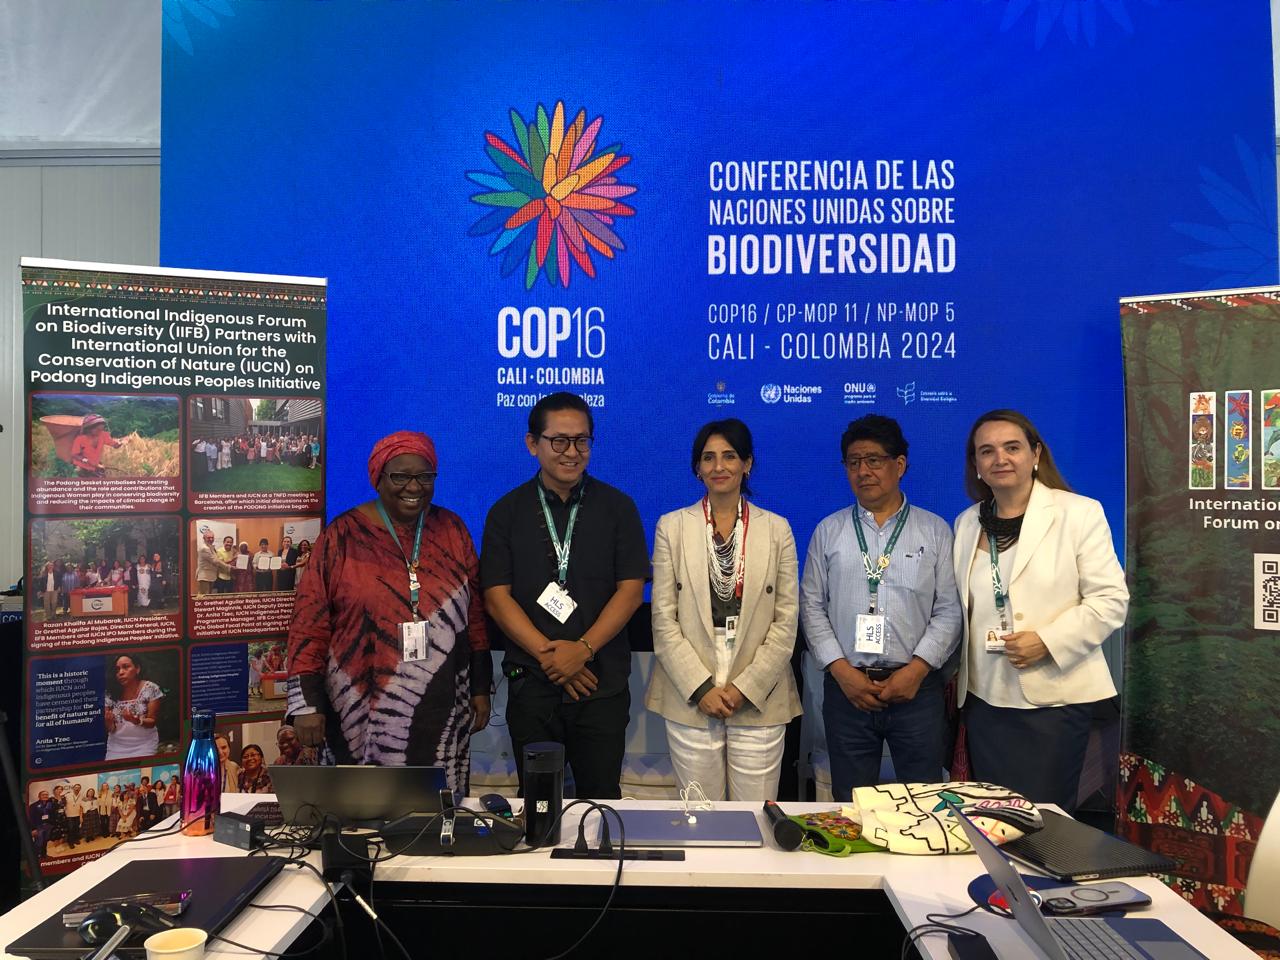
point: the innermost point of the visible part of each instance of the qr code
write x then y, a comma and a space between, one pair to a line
1266, 591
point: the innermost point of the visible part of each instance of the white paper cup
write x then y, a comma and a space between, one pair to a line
180, 943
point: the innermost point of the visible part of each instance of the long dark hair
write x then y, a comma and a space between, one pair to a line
113, 684
1047, 473
735, 434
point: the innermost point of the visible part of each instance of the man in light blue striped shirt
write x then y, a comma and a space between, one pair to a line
881, 614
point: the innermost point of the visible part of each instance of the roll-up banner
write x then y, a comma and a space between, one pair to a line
1201, 768
174, 482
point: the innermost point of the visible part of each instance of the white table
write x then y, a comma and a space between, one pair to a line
915, 886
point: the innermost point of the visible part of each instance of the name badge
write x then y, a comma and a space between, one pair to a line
869, 637
730, 631
992, 642
413, 640
556, 601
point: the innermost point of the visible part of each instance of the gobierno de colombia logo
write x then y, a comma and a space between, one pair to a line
556, 197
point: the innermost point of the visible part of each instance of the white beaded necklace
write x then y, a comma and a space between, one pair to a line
724, 560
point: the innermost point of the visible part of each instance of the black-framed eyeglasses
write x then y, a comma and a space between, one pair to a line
872, 462
402, 479
561, 444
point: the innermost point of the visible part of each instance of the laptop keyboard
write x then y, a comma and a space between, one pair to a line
1091, 939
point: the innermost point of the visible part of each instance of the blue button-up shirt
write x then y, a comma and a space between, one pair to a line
917, 594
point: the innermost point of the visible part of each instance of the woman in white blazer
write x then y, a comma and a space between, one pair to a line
725, 605
1042, 589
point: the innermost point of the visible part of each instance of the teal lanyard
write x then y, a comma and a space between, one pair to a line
997, 583
875, 571
562, 549
410, 562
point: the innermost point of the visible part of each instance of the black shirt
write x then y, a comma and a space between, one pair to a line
285, 579
608, 546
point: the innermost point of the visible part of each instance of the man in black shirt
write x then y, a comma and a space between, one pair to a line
563, 565
40, 817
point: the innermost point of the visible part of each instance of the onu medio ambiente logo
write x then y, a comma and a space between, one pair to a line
556, 197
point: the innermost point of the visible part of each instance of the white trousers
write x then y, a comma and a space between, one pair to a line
747, 760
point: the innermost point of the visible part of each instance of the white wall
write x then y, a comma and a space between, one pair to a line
79, 172
101, 206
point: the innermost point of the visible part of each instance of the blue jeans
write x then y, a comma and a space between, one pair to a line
856, 738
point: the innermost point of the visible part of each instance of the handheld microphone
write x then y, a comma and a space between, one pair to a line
786, 832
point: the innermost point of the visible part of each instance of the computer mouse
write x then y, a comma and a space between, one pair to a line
496, 803
98, 927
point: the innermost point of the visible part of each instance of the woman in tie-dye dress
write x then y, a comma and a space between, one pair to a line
350, 686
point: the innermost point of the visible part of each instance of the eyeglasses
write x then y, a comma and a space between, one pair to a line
561, 444
872, 462
402, 479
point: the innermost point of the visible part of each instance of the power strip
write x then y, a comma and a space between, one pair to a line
567, 853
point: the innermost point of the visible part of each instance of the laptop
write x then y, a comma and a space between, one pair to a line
1074, 938
358, 795
672, 828
1072, 851
220, 887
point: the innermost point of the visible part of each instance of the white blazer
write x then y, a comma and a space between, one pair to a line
683, 635
1066, 585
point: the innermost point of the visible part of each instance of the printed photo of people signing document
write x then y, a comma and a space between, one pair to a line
250, 555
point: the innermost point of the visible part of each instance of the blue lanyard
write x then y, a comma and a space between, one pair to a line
875, 571
562, 549
411, 563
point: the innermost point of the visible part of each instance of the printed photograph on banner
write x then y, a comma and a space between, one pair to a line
244, 571
1269, 415
1266, 591
1201, 442
267, 675
79, 814
1237, 441
104, 580
255, 454
236, 678
103, 453
95, 708
250, 750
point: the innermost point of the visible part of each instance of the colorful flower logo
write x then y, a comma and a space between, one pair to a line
556, 197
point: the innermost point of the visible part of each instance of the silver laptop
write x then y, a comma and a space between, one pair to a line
701, 828
1074, 938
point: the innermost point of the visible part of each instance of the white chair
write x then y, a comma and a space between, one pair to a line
1262, 892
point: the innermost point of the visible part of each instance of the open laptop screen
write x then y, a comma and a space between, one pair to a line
357, 795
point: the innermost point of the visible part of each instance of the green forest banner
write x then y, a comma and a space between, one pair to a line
1201, 765
174, 483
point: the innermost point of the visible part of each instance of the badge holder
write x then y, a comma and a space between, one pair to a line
413, 640
556, 601
870, 631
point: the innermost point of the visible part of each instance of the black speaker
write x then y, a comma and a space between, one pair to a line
543, 765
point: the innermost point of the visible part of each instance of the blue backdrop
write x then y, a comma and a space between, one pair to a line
1083, 150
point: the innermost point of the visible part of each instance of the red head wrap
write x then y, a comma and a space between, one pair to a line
395, 444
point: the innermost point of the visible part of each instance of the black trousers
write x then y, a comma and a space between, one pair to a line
593, 732
1039, 753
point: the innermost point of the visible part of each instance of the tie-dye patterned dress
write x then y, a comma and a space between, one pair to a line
344, 643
